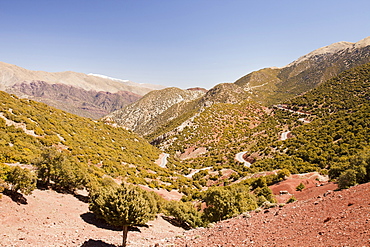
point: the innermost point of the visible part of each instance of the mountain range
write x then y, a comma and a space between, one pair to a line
273, 85
220, 150
267, 87
90, 95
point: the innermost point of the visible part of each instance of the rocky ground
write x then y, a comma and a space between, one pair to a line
55, 219
326, 218
335, 218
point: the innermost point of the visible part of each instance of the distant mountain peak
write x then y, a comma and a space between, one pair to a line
362, 43
273, 85
329, 49
333, 48
91, 95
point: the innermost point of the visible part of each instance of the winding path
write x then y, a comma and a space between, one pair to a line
164, 160
284, 135
239, 157
191, 174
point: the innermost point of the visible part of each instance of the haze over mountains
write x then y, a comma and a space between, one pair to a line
86, 95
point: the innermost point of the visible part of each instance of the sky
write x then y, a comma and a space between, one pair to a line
180, 43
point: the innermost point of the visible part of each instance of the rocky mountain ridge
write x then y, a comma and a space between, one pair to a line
85, 95
72, 99
11, 74
171, 107
266, 86
139, 115
273, 85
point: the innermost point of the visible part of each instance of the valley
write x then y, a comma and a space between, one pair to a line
280, 157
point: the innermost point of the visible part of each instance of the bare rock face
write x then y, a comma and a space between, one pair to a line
141, 115
75, 100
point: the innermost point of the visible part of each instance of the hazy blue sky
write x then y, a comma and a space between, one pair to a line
171, 42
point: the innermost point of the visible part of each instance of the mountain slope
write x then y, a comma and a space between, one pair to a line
139, 116
267, 86
72, 99
273, 85
338, 110
28, 127
11, 74
86, 95
327, 129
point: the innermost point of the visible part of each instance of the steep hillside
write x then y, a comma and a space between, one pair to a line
145, 115
267, 86
75, 100
28, 127
12, 74
179, 115
339, 130
221, 131
273, 85
86, 95
312, 132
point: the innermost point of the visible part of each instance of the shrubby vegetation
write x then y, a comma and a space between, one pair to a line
61, 169
226, 202
338, 132
337, 139
71, 152
17, 179
85, 144
185, 212
124, 206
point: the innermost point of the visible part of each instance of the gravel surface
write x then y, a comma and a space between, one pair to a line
336, 218
55, 219
327, 218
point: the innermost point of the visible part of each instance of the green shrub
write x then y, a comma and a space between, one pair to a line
300, 187
223, 203
20, 179
347, 179
185, 212
124, 206
291, 199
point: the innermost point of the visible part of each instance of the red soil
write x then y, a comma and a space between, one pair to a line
340, 218
321, 217
55, 219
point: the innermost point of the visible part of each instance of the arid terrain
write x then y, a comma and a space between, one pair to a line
55, 219
327, 218
335, 218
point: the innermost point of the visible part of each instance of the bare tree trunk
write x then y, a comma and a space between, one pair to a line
124, 238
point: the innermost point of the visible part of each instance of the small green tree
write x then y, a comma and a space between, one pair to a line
291, 199
185, 212
124, 206
21, 179
347, 179
46, 163
223, 203
266, 193
300, 187
283, 174
4, 170
62, 169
